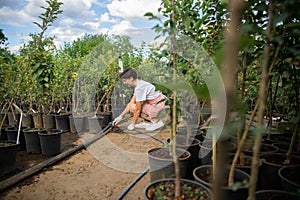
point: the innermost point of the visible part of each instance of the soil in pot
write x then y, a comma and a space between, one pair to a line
265, 148
244, 162
271, 163
161, 163
165, 189
239, 191
290, 178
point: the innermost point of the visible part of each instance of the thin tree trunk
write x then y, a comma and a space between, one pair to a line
261, 106
289, 153
272, 104
229, 66
240, 145
174, 113
244, 72
296, 129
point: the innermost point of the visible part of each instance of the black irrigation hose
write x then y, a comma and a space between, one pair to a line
155, 138
29, 172
127, 189
120, 197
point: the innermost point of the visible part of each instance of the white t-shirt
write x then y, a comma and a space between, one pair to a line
145, 91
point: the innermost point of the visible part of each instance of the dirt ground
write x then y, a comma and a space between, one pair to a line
101, 171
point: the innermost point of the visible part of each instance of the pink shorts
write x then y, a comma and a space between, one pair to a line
151, 107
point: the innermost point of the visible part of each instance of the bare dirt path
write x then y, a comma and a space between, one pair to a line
101, 171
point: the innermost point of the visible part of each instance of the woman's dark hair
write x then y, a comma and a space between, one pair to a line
128, 73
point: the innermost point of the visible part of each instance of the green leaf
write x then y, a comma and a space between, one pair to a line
148, 14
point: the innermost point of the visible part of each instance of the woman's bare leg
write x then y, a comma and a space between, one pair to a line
145, 117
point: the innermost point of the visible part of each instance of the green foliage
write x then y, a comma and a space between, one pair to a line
82, 46
239, 184
40, 52
8, 78
98, 74
284, 37
3, 39
203, 21
49, 16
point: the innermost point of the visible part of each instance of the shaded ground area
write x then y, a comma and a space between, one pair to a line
101, 171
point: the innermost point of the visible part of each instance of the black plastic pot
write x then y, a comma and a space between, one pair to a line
205, 153
283, 147
8, 152
50, 141
290, 178
107, 117
49, 121
32, 140
194, 132
241, 193
192, 146
3, 135
275, 195
245, 168
62, 122
116, 111
265, 148
163, 167
13, 118
5, 122
12, 134
27, 120
37, 120
96, 123
76, 124
271, 163
149, 191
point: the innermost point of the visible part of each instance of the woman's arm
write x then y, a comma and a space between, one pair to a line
128, 107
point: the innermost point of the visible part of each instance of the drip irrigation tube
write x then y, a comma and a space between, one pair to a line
128, 188
155, 138
29, 172
120, 197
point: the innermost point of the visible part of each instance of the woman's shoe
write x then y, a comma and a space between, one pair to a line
154, 126
142, 124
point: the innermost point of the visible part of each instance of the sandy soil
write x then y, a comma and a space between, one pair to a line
101, 171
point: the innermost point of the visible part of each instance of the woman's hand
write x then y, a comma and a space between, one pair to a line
117, 120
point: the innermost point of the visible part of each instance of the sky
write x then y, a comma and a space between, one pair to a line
118, 17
